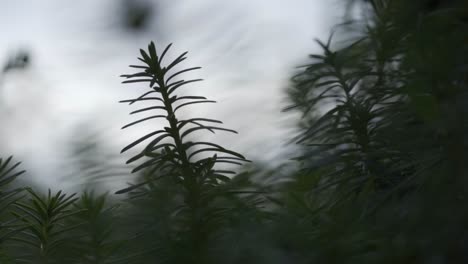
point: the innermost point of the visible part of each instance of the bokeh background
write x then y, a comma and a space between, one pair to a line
60, 85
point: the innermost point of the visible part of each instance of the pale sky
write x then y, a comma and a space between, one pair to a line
248, 49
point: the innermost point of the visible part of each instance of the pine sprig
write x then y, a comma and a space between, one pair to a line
47, 231
168, 151
8, 196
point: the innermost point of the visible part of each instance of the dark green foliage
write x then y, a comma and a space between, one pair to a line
386, 156
380, 177
8, 196
98, 241
46, 232
199, 203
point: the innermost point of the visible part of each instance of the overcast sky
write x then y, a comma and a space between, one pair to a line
248, 49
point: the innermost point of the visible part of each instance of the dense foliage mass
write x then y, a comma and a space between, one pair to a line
380, 177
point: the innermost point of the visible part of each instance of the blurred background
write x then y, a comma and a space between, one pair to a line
59, 86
